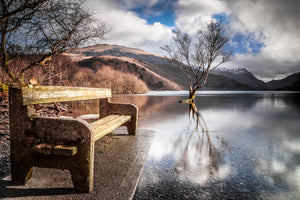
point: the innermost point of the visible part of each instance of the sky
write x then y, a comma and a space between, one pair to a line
263, 34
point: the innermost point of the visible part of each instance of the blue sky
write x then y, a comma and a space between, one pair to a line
264, 34
162, 12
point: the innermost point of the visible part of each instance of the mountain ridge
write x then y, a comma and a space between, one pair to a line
159, 73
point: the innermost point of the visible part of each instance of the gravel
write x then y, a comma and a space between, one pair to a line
4, 140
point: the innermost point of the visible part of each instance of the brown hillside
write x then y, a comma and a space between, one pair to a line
153, 80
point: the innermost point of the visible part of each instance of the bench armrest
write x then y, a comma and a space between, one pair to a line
56, 130
124, 109
108, 108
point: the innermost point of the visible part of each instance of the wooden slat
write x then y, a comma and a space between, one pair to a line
106, 128
49, 94
57, 150
104, 120
64, 150
43, 148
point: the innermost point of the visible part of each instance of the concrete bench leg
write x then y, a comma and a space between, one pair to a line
21, 160
21, 168
131, 127
81, 180
82, 169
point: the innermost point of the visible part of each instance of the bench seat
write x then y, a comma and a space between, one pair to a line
107, 124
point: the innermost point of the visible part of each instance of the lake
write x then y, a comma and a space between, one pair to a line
229, 145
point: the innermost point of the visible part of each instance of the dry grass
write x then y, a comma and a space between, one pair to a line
119, 82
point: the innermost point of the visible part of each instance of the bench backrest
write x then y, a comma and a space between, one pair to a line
49, 94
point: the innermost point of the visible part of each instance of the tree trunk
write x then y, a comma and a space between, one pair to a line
192, 94
192, 91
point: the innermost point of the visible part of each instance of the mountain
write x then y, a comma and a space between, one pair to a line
242, 76
157, 72
291, 82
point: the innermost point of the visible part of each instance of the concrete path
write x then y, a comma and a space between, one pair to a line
119, 161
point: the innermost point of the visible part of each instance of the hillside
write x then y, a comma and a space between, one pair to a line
243, 76
156, 71
291, 82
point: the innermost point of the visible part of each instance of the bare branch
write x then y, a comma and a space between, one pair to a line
51, 27
199, 56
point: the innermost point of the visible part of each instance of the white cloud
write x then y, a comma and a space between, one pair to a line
276, 25
192, 15
128, 28
273, 23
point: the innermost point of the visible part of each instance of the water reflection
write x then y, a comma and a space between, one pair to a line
231, 146
197, 159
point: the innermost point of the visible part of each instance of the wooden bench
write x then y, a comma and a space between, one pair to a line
56, 142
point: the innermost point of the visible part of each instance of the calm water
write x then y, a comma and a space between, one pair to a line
236, 145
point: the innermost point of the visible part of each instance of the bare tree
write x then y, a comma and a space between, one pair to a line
42, 29
199, 55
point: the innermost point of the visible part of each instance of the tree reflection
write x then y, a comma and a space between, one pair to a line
197, 158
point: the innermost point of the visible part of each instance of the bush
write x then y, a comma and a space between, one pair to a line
119, 82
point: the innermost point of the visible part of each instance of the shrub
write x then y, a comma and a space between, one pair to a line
120, 82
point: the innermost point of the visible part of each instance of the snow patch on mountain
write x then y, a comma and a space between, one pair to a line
232, 70
241, 75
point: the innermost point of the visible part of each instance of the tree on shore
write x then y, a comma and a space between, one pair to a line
198, 55
42, 29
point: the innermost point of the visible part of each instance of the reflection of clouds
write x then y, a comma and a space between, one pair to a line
159, 149
249, 149
192, 153
294, 178
278, 167
293, 145
166, 133
268, 136
269, 133
279, 164
197, 159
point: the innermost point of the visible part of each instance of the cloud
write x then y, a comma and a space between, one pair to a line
268, 31
192, 15
263, 67
128, 28
275, 24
